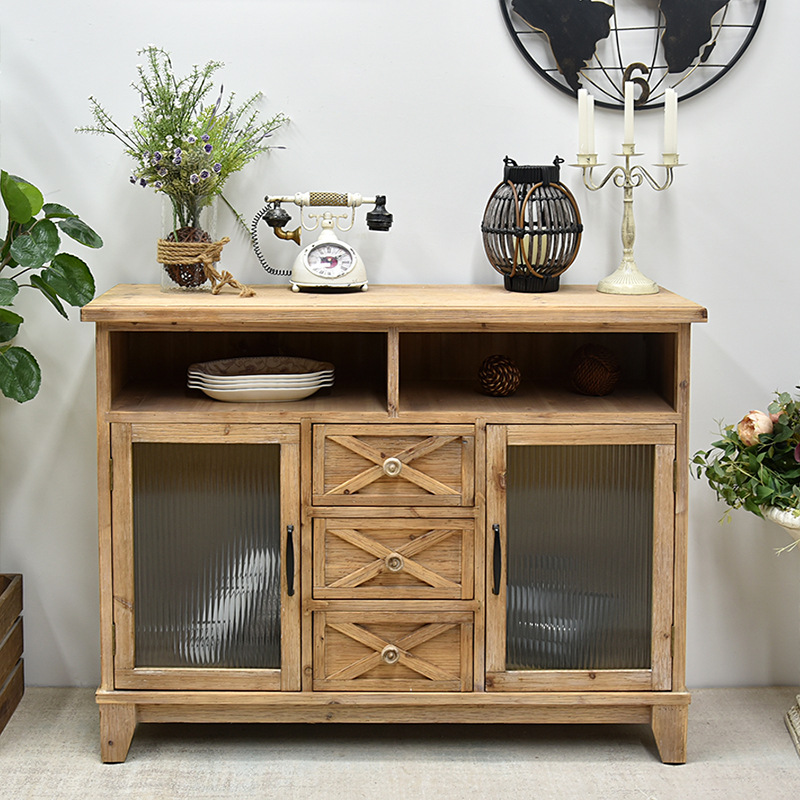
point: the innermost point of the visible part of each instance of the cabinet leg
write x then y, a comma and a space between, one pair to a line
670, 725
117, 724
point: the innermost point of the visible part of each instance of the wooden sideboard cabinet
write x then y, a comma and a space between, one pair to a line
401, 547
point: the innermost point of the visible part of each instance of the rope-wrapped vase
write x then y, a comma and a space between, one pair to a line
190, 264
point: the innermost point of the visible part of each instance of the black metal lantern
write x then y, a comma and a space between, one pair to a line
531, 227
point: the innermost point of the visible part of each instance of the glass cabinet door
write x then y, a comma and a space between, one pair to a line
205, 527
579, 557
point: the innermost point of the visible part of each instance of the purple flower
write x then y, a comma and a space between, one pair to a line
142, 182
157, 157
208, 148
158, 184
133, 179
217, 167
191, 139
162, 171
205, 175
205, 137
194, 178
797, 454
177, 151
176, 161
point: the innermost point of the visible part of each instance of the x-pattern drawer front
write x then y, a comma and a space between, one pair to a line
394, 465
400, 651
393, 558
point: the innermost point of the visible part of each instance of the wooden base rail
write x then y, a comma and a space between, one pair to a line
665, 712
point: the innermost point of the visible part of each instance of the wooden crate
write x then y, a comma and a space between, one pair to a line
12, 677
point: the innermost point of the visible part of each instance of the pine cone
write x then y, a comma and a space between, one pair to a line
189, 275
594, 370
499, 376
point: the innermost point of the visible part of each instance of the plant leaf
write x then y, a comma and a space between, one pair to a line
8, 291
44, 288
34, 196
54, 210
20, 376
38, 246
78, 230
9, 324
70, 278
20, 208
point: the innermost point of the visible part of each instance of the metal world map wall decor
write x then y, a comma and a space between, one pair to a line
599, 45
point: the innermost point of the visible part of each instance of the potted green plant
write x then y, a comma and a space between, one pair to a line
755, 465
185, 147
31, 258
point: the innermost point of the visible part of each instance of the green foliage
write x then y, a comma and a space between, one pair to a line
765, 473
31, 250
185, 146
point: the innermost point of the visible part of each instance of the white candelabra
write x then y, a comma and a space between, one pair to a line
626, 279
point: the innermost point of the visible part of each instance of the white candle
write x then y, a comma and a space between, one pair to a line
628, 113
670, 122
590, 126
583, 121
535, 249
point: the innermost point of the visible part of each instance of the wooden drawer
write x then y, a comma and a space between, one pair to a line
392, 651
394, 465
394, 558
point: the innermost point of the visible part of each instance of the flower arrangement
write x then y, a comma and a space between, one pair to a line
756, 464
184, 146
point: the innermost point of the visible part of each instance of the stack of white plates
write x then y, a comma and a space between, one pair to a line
268, 379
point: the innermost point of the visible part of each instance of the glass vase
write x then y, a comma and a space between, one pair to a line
192, 224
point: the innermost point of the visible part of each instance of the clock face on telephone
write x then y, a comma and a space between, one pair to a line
330, 259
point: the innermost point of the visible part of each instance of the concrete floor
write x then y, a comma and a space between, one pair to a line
738, 748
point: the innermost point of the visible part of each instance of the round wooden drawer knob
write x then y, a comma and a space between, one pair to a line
390, 654
394, 562
392, 466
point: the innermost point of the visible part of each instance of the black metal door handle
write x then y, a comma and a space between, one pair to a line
497, 561
290, 560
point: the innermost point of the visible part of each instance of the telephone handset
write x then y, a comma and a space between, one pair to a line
328, 264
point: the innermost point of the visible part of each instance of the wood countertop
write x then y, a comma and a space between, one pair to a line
403, 306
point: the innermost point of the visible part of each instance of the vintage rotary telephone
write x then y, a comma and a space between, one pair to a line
328, 264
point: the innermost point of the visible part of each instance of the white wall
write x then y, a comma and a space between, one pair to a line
420, 101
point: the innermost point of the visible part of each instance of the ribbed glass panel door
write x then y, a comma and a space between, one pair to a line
206, 541
579, 544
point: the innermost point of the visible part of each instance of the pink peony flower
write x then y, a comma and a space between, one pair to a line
752, 426
797, 454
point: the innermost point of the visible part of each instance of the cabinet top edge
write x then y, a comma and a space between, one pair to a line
412, 306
